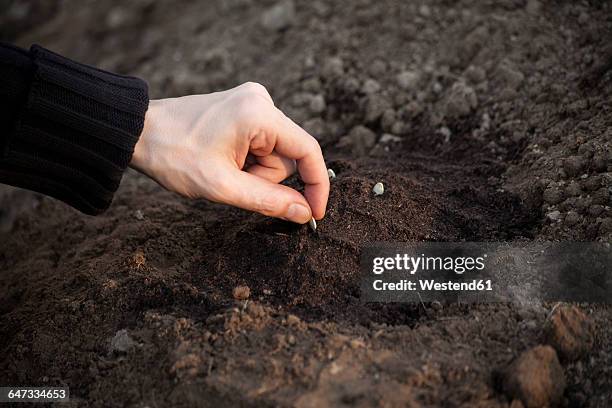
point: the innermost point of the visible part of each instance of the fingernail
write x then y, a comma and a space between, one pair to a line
298, 213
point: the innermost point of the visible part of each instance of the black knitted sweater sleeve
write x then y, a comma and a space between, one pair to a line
67, 130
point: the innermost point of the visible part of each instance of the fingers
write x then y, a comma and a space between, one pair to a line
254, 193
282, 137
295, 143
273, 167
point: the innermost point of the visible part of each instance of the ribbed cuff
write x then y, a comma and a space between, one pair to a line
16, 71
76, 134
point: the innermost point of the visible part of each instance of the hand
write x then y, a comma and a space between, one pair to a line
233, 147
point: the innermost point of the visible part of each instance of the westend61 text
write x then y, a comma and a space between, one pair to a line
432, 285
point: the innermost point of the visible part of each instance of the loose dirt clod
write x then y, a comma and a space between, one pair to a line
317, 104
139, 259
121, 342
553, 215
331, 174
293, 320
280, 16
407, 80
461, 101
536, 378
570, 332
516, 404
242, 292
378, 189
312, 224
360, 140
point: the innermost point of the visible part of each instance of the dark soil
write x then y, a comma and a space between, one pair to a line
506, 134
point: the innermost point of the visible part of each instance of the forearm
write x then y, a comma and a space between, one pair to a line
16, 71
72, 130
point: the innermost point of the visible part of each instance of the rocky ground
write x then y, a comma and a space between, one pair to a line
486, 120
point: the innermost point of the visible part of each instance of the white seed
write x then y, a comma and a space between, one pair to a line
378, 189
331, 174
312, 224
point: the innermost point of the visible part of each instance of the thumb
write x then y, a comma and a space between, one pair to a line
254, 193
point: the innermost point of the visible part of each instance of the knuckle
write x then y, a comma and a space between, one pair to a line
255, 87
248, 106
262, 142
315, 147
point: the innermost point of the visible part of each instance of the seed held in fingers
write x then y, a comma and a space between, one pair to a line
312, 224
378, 189
331, 174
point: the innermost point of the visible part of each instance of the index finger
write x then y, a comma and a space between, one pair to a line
295, 143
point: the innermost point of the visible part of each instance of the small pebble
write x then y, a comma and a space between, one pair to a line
378, 189
331, 174
312, 224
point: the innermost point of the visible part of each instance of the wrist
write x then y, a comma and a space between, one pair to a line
141, 158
